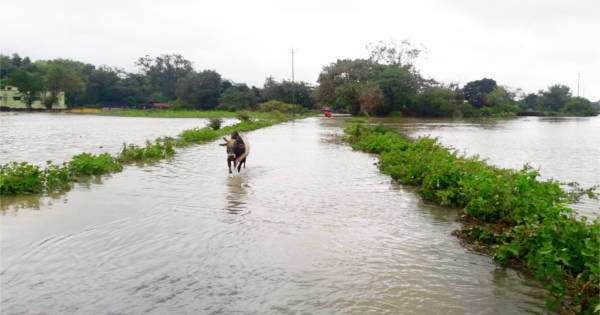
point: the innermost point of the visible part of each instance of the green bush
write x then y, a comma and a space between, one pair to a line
580, 106
160, 149
57, 178
89, 164
243, 115
279, 106
199, 135
215, 123
20, 178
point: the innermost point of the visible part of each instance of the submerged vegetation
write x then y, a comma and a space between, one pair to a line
24, 178
511, 215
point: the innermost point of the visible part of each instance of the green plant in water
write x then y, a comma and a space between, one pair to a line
57, 178
20, 178
215, 123
160, 149
199, 135
89, 164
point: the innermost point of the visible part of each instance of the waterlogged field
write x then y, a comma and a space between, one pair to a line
566, 149
310, 226
563, 148
38, 137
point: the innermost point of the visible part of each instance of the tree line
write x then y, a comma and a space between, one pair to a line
388, 82
385, 83
166, 78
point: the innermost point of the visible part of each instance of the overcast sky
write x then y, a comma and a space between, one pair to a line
528, 44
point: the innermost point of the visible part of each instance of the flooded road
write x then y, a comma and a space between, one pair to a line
309, 227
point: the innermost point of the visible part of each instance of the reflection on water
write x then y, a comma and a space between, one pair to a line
237, 186
9, 204
310, 226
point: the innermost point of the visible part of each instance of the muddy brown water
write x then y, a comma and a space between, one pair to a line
309, 227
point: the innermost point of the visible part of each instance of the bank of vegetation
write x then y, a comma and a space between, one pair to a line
385, 83
25, 178
511, 215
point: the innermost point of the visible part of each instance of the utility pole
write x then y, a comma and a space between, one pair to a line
578, 77
293, 85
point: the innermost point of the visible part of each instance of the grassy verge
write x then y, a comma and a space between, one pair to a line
511, 215
24, 178
177, 114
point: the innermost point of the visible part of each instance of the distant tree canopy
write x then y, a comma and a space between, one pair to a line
285, 91
166, 78
557, 99
164, 71
387, 81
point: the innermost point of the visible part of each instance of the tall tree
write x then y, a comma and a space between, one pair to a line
61, 76
555, 97
210, 89
372, 101
500, 96
238, 97
399, 86
6, 66
355, 72
200, 90
475, 91
529, 102
30, 85
103, 85
164, 71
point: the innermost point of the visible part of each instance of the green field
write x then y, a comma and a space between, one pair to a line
177, 114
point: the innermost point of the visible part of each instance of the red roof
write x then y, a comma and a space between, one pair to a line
160, 105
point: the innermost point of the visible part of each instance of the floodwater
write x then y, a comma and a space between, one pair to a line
566, 149
39, 137
309, 227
